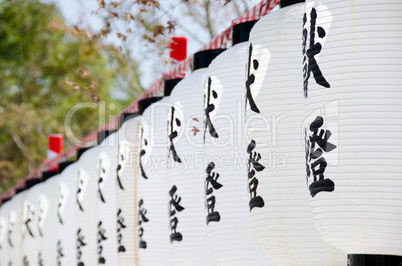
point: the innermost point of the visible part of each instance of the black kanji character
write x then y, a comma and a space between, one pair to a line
208, 109
309, 62
142, 153
250, 80
101, 173
118, 173
174, 203
80, 183
253, 167
173, 135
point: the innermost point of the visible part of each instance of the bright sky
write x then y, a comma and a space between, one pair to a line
76, 11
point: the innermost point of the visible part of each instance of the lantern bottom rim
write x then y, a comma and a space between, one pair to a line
374, 260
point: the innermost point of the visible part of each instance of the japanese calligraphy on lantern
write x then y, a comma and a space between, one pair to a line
43, 208
82, 182
60, 253
103, 173
101, 237
141, 219
209, 107
40, 260
25, 261
252, 65
120, 227
118, 171
144, 144
254, 166
174, 124
11, 226
80, 243
317, 141
62, 197
311, 47
29, 214
211, 184
174, 207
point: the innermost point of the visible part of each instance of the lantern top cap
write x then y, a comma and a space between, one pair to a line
373, 260
81, 151
285, 3
5, 200
48, 174
127, 116
169, 85
241, 32
103, 134
32, 182
19, 190
143, 104
202, 59
64, 165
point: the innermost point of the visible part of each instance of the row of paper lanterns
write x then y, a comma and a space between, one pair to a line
282, 150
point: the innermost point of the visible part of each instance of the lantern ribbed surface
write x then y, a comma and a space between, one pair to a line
353, 122
86, 233
4, 233
280, 208
226, 195
186, 173
106, 201
29, 226
47, 218
7, 243
14, 227
126, 192
153, 220
66, 227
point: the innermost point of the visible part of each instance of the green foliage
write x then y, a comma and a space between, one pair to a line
45, 69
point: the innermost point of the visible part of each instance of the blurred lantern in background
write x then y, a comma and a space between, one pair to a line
227, 214
47, 215
29, 224
186, 175
153, 220
126, 190
4, 210
86, 233
65, 214
55, 147
106, 200
178, 48
15, 224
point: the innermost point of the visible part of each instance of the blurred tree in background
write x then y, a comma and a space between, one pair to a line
45, 69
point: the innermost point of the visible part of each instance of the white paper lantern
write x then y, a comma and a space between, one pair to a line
126, 192
66, 228
29, 226
4, 209
106, 201
153, 220
279, 205
186, 172
47, 218
352, 83
224, 174
86, 210
14, 226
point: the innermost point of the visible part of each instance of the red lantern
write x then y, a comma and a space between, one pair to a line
178, 48
55, 147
